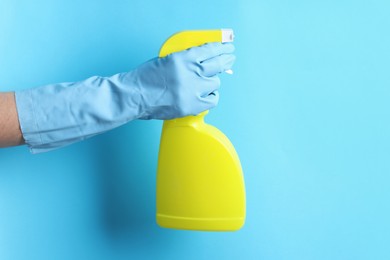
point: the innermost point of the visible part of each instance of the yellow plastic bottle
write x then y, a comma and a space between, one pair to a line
200, 185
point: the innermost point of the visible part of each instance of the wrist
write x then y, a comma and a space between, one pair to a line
10, 133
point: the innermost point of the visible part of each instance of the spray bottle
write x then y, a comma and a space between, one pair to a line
200, 184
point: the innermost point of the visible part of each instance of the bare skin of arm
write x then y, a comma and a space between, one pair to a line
10, 133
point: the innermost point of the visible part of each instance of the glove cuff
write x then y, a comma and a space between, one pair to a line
27, 119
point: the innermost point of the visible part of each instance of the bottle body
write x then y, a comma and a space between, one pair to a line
200, 185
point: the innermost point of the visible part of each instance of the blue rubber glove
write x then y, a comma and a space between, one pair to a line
180, 84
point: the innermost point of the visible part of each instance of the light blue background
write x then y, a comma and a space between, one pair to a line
307, 109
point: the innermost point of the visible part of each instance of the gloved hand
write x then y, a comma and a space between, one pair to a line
180, 84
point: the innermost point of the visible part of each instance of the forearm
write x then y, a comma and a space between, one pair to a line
56, 115
10, 133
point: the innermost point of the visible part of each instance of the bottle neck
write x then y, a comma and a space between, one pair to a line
187, 120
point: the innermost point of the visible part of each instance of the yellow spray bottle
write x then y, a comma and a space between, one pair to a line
200, 185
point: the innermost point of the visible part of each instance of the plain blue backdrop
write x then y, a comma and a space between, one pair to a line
307, 109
